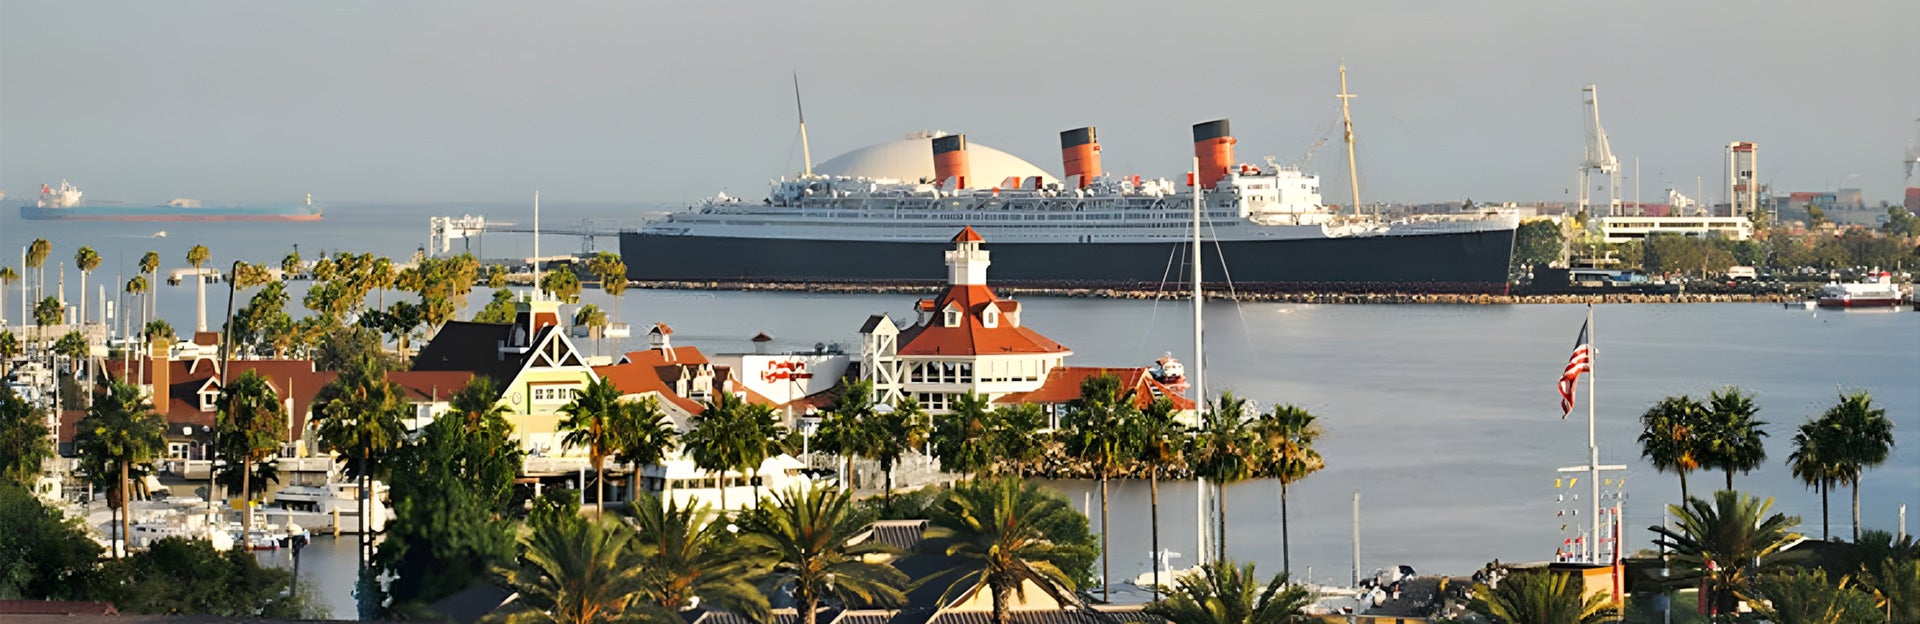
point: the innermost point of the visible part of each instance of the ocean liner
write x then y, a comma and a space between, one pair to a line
64, 203
1263, 227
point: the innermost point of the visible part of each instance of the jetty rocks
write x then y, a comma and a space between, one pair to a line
1330, 298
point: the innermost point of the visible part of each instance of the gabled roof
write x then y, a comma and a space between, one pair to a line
641, 372
873, 322
470, 347
1063, 385
972, 337
967, 235
295, 379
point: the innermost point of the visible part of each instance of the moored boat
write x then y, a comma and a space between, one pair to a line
1877, 291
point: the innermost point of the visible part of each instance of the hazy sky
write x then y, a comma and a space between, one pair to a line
631, 101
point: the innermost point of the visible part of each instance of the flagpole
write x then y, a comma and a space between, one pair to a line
1593, 446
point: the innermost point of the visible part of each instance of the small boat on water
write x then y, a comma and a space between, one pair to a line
1169, 576
1877, 291
332, 507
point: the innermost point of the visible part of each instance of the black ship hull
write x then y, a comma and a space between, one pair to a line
1468, 262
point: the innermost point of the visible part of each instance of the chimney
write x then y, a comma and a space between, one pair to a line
760, 343
162, 379
1213, 143
1080, 154
950, 159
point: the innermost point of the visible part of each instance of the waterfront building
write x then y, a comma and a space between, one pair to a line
533, 364
968, 339
1625, 229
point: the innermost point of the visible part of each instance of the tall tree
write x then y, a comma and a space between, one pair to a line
730, 435
844, 431
1864, 437
896, 432
1283, 450
150, 265
86, 259
1102, 428
962, 440
360, 419
1163, 447
613, 277
1670, 437
689, 555
250, 428
136, 289
1013, 437
47, 312
589, 417
563, 285
119, 432
1540, 597
1815, 462
1733, 433
1227, 593
641, 435
24, 435
8, 277
578, 572
1222, 454
996, 531
1721, 544
451, 507
806, 534
499, 309
37, 253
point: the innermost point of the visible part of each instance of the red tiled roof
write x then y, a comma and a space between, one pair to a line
293, 379
1063, 385
972, 337
651, 371
656, 357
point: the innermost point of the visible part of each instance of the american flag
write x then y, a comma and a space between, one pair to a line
1580, 362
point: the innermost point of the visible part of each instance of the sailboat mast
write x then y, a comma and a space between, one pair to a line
806, 155
1346, 118
1199, 364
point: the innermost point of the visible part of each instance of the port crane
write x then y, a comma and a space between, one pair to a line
1599, 157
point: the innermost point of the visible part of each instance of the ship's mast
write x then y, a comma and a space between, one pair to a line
1346, 118
806, 155
1199, 367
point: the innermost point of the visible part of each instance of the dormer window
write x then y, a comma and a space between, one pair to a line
952, 316
990, 317
209, 400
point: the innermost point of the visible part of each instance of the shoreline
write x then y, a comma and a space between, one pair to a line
1332, 298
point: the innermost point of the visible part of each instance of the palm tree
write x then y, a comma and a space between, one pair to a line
1283, 449
641, 435
844, 430
118, 432
1733, 435
895, 433
137, 288
249, 426
588, 419
806, 535
688, 553
595, 320
1815, 465
37, 253
1723, 544
361, 412
197, 256
478, 406
613, 277
47, 312
1015, 440
1809, 597
962, 440
1864, 437
1102, 430
7, 278
150, 265
730, 435
9, 349
1670, 438
1222, 455
1540, 597
1227, 593
86, 259
996, 530
578, 572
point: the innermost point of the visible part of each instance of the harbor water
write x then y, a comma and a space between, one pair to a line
1445, 419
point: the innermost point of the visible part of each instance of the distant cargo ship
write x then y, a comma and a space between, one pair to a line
64, 203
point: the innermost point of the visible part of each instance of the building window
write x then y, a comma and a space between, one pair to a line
952, 316
990, 317
208, 401
554, 394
